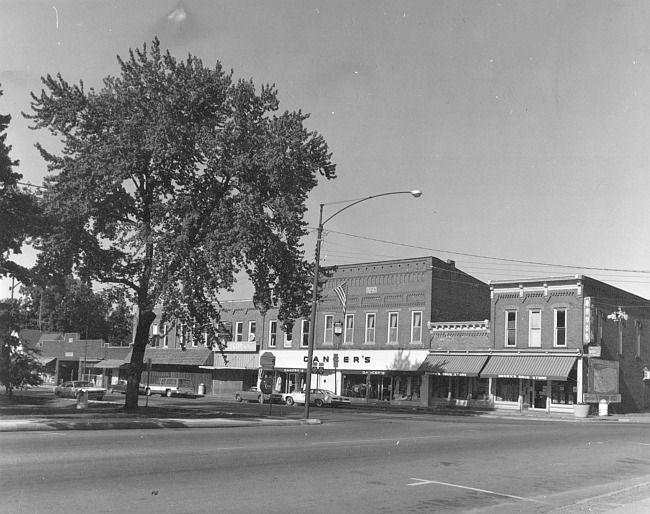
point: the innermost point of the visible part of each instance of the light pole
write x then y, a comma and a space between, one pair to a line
314, 298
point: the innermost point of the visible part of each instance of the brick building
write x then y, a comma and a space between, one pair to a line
371, 351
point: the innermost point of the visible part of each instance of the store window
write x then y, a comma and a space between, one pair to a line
416, 327
535, 328
507, 389
273, 333
304, 333
511, 328
393, 323
371, 319
239, 331
560, 327
349, 328
328, 337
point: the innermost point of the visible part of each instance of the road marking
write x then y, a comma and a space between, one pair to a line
427, 482
634, 442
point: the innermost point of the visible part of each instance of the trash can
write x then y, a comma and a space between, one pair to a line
201, 388
82, 399
603, 407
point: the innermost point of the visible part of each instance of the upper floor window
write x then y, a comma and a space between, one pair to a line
349, 329
371, 319
639, 334
273, 333
328, 337
252, 329
393, 323
416, 327
304, 334
165, 331
511, 328
560, 327
288, 337
239, 331
535, 327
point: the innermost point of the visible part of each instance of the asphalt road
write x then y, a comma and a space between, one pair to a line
353, 462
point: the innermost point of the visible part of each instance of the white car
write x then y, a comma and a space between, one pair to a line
318, 397
74, 389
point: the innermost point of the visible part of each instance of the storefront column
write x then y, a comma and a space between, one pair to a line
425, 391
580, 378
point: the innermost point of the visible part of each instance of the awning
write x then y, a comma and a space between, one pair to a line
45, 360
108, 364
453, 365
539, 367
236, 360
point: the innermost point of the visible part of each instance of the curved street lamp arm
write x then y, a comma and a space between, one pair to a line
415, 193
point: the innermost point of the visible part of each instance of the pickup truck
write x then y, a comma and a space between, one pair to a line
172, 387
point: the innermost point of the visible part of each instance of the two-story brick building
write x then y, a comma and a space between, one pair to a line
565, 340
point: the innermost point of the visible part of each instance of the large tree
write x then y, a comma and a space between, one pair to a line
173, 179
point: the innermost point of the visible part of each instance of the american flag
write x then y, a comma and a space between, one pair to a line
340, 292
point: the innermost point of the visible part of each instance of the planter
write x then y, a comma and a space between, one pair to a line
581, 411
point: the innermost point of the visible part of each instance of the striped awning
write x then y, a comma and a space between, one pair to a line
538, 367
453, 365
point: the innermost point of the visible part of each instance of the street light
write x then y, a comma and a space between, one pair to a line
314, 299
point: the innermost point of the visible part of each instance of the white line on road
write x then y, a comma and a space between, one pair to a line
634, 442
427, 482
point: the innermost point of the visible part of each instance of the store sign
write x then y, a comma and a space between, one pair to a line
240, 346
588, 322
594, 351
353, 360
603, 377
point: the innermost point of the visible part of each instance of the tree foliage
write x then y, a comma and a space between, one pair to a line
19, 365
65, 304
173, 179
19, 212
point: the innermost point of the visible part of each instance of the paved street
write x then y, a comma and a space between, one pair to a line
355, 461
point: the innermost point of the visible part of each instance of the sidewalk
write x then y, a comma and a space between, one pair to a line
39, 410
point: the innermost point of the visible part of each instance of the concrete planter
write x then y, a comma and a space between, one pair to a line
581, 411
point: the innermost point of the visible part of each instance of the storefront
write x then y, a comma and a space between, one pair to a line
453, 378
543, 382
375, 375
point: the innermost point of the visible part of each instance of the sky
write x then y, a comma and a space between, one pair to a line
526, 124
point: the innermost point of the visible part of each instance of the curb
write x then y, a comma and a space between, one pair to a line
45, 425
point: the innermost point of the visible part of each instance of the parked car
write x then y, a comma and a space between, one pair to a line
253, 395
318, 397
74, 388
120, 387
322, 397
293, 398
172, 387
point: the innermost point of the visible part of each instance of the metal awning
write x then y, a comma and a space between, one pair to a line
45, 360
236, 360
538, 367
453, 365
108, 364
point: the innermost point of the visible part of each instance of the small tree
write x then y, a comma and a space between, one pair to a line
19, 365
173, 179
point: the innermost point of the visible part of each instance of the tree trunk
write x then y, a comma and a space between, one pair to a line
145, 319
